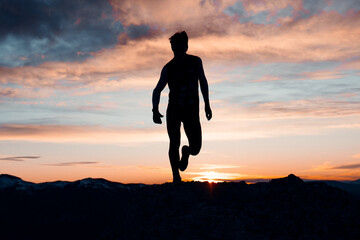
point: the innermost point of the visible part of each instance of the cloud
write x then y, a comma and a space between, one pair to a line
134, 31
79, 133
122, 63
143, 47
323, 74
95, 134
264, 11
327, 170
232, 121
194, 16
353, 64
341, 6
24, 92
71, 164
347, 166
18, 158
206, 20
219, 38
56, 30
316, 107
270, 6
266, 78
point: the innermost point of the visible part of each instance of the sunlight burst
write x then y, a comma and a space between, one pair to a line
215, 177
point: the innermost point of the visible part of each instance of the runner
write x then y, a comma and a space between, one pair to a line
183, 75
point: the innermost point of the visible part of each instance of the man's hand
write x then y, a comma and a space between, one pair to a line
208, 112
157, 117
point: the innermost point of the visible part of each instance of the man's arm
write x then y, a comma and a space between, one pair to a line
156, 96
204, 90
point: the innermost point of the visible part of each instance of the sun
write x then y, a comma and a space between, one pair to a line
213, 177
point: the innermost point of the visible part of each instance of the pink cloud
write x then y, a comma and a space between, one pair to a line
214, 36
317, 107
26, 92
267, 78
256, 6
172, 14
338, 111
324, 74
351, 65
99, 106
123, 61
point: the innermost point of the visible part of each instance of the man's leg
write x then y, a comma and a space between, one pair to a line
192, 129
173, 128
193, 133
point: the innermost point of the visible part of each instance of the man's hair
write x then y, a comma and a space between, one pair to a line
179, 38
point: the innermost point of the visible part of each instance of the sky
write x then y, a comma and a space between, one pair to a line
76, 79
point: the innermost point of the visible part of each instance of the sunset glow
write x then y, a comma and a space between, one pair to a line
215, 177
76, 83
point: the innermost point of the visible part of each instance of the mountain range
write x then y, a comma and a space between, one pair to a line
284, 208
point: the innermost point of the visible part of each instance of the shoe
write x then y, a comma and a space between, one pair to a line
185, 153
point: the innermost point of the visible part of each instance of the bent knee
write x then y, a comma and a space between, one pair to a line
194, 150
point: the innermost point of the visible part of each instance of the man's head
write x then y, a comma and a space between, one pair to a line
179, 43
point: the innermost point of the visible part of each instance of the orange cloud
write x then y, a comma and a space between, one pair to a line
83, 134
172, 14
214, 36
330, 171
348, 166
123, 64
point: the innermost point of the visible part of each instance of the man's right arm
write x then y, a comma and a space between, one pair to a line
156, 96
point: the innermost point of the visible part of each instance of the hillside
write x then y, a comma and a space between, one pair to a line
285, 208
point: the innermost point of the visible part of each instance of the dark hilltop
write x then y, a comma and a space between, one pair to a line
285, 208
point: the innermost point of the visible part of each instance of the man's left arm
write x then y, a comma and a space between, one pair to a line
204, 86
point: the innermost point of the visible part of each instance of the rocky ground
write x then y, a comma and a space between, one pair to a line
286, 208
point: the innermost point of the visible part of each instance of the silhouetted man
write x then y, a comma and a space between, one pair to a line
182, 74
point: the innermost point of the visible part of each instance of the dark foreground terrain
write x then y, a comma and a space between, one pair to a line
286, 208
